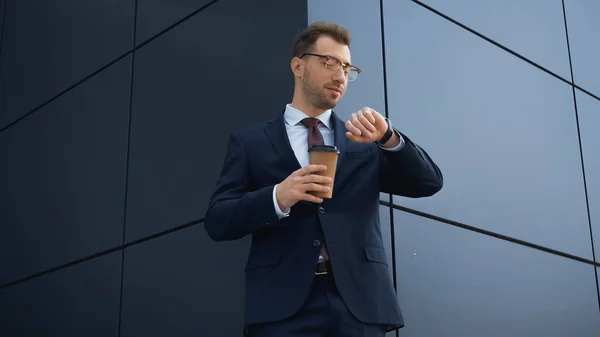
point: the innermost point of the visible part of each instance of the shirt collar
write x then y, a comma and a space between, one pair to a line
293, 116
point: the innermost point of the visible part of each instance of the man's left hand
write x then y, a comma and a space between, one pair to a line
366, 126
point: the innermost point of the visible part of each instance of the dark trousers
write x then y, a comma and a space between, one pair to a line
324, 314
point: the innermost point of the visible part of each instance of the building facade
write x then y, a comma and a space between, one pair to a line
114, 117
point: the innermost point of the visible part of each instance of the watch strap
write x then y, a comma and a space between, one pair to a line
388, 134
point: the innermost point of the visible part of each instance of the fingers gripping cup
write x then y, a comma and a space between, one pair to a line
325, 155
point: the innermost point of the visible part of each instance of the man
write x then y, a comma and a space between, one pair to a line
317, 267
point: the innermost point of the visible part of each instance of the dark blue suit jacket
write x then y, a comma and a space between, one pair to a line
283, 255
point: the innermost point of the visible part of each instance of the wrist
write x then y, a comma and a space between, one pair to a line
388, 134
284, 208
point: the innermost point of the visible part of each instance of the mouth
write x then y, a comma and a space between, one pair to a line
339, 91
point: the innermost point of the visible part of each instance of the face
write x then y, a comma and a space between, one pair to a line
321, 87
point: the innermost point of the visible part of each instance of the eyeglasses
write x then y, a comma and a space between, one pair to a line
333, 64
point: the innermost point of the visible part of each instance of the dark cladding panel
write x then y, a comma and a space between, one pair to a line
81, 300
63, 177
192, 88
48, 46
153, 16
184, 284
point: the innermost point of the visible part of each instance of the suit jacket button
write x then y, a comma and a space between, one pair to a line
316, 243
321, 210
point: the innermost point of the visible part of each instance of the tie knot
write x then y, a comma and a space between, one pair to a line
310, 122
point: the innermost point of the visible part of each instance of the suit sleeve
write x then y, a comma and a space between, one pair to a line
409, 172
237, 208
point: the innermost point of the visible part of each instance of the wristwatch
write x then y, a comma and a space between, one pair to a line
388, 134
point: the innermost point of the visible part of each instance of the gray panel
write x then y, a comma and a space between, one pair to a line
503, 132
584, 34
155, 15
363, 20
188, 98
453, 282
63, 177
82, 300
589, 123
50, 45
184, 284
384, 221
534, 29
385, 224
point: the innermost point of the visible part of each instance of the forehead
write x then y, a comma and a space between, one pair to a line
328, 46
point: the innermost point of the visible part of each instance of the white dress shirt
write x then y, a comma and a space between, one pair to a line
298, 136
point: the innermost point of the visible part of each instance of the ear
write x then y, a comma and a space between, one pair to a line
297, 66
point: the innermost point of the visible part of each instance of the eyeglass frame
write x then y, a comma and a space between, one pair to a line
340, 63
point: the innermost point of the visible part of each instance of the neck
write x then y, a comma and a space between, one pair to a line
302, 105
308, 109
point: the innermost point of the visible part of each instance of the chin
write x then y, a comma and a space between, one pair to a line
332, 101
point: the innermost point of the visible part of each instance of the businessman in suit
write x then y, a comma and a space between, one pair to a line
317, 267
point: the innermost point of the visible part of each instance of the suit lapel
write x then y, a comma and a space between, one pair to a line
341, 141
277, 133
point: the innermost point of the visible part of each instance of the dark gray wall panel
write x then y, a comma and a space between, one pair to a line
2, 84
50, 45
503, 132
82, 300
63, 177
156, 15
589, 123
184, 284
533, 28
189, 97
584, 34
2, 7
453, 282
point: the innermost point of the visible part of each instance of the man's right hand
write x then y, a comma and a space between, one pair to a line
297, 185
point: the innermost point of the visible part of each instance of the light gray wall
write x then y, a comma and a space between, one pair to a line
589, 120
363, 19
584, 29
503, 128
366, 50
532, 28
503, 132
453, 282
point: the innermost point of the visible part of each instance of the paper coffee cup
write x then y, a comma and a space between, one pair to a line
324, 155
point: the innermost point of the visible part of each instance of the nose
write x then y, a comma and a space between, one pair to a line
340, 76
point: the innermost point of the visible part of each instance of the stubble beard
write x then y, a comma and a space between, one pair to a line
315, 95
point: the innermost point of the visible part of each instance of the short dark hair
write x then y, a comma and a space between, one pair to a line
305, 41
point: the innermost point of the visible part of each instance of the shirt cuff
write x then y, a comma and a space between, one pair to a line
280, 213
397, 147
